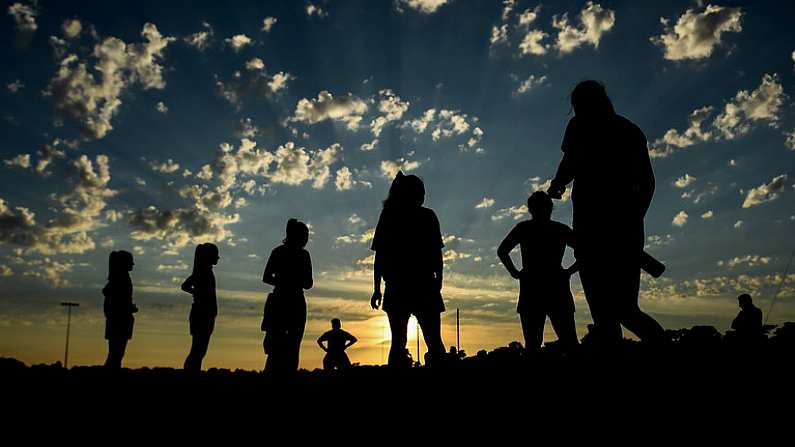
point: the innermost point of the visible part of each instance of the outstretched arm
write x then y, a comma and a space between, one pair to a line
504, 252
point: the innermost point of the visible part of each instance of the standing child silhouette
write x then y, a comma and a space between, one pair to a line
201, 284
543, 283
408, 256
289, 271
118, 306
337, 341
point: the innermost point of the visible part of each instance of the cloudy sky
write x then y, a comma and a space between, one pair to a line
153, 126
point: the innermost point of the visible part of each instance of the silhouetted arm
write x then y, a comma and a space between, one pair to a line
269, 276
188, 286
320, 342
504, 252
375, 300
308, 282
565, 173
350, 342
438, 263
645, 179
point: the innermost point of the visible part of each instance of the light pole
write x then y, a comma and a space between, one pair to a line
69, 307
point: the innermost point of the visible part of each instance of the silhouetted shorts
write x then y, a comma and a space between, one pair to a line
202, 321
412, 299
117, 327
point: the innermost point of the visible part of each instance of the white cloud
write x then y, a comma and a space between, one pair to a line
278, 81
107, 242
15, 87
762, 104
507, 9
422, 6
179, 266
420, 124
749, 260
71, 28
708, 215
20, 161
166, 167
684, 181
680, 219
595, 21
516, 212
530, 83
50, 271
161, 107
696, 34
201, 39
738, 224
369, 146
344, 179
390, 168
537, 185
655, 240
255, 63
347, 109
6, 271
528, 16
487, 202
391, 107
314, 10
362, 238
267, 24
766, 192
180, 226
532, 43
499, 35
737, 118
77, 95
238, 42
790, 141
24, 17
76, 213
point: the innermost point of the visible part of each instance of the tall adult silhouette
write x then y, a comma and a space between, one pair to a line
118, 306
201, 284
337, 341
408, 256
543, 282
289, 271
607, 158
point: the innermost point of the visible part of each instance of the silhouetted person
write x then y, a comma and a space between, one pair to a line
607, 157
201, 284
408, 256
748, 323
289, 271
118, 306
543, 282
337, 341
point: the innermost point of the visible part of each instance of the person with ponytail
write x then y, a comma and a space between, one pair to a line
408, 256
118, 306
201, 284
289, 271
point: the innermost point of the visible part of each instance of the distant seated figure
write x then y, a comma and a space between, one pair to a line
543, 282
337, 341
748, 322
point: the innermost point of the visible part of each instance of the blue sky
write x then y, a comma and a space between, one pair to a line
156, 125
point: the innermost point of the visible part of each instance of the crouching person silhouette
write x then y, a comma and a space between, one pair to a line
118, 306
543, 283
337, 341
289, 271
201, 284
408, 256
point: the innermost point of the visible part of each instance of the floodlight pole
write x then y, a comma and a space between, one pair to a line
457, 331
69, 306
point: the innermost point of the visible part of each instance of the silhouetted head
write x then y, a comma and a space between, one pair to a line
335, 323
406, 191
297, 233
119, 263
205, 257
540, 205
590, 101
745, 301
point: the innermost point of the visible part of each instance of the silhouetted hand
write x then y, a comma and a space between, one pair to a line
556, 191
375, 301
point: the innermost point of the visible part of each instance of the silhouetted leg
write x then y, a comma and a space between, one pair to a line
295, 337
563, 324
328, 363
597, 283
431, 325
344, 362
533, 329
116, 348
198, 350
630, 315
398, 325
